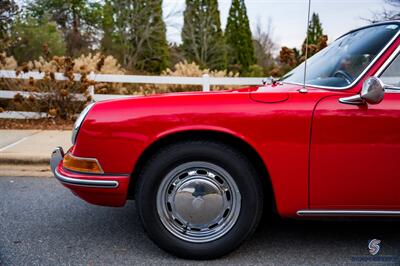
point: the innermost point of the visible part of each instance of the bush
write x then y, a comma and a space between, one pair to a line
97, 63
57, 98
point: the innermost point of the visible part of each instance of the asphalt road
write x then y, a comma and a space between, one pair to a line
42, 223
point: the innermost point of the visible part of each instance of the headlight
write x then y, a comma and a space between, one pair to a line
79, 121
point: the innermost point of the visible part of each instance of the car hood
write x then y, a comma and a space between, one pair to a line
266, 93
273, 93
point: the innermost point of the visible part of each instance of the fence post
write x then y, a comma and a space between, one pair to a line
206, 82
90, 91
90, 88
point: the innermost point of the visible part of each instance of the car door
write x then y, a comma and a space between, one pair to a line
355, 150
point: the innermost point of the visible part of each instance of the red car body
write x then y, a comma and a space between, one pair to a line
319, 154
203, 166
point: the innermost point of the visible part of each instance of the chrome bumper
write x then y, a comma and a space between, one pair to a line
56, 158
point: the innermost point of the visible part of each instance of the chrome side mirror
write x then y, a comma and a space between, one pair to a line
372, 92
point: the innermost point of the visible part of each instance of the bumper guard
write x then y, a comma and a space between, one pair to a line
58, 155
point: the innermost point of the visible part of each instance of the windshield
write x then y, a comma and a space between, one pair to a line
342, 62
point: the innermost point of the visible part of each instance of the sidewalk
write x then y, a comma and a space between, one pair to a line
31, 146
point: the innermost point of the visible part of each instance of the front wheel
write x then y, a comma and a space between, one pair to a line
199, 199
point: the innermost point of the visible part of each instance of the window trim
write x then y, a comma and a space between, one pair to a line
385, 65
377, 57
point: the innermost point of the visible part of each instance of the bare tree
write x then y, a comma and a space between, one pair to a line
202, 37
391, 13
264, 47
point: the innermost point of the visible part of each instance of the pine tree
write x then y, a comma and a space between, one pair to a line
315, 35
155, 55
107, 45
238, 38
202, 37
135, 33
315, 30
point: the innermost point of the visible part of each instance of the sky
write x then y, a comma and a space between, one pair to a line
288, 18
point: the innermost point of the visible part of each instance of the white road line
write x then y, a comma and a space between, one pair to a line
13, 144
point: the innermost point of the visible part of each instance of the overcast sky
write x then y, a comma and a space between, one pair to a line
288, 17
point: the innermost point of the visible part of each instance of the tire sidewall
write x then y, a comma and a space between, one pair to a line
237, 166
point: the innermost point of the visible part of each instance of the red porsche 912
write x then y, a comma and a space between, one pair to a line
204, 166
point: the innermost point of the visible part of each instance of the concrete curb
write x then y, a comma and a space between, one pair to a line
20, 160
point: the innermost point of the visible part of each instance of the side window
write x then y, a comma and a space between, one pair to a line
391, 75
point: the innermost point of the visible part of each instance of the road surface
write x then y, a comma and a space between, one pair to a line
42, 223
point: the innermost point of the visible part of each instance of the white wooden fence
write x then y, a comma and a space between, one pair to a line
205, 81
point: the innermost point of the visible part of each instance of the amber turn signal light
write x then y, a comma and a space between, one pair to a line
85, 165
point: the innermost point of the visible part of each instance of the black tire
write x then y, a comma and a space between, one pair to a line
224, 156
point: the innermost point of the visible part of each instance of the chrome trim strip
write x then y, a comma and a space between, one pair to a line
390, 89
360, 76
388, 62
96, 174
85, 182
346, 213
79, 122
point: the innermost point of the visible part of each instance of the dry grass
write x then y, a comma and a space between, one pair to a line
97, 63
7, 62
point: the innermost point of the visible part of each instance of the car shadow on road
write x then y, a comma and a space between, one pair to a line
278, 242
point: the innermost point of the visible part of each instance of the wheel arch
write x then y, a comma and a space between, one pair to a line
220, 136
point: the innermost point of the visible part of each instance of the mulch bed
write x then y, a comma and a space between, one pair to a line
38, 124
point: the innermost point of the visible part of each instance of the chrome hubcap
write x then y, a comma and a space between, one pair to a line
198, 202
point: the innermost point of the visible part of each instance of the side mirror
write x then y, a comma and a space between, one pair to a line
372, 92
